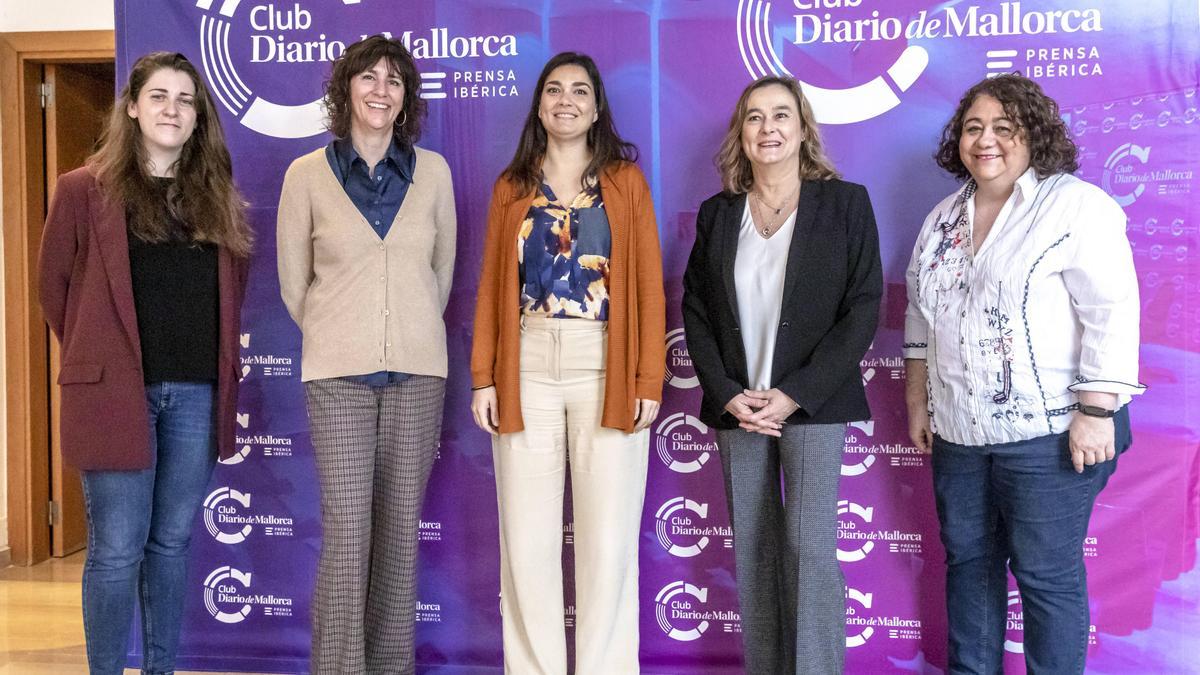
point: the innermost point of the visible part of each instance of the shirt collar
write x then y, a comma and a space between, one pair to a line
1028, 183
399, 156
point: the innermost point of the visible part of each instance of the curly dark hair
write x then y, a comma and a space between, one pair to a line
359, 57
1051, 149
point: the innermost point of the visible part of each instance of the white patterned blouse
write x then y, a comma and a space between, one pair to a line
1048, 307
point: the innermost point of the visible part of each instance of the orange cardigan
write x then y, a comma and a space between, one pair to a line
636, 360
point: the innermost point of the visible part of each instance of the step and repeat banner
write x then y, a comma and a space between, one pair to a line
884, 76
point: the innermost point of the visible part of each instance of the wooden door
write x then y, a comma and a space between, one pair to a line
77, 99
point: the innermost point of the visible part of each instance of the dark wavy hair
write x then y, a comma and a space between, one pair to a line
607, 146
1051, 149
736, 174
359, 57
203, 196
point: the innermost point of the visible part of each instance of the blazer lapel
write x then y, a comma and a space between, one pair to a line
730, 224
108, 223
806, 213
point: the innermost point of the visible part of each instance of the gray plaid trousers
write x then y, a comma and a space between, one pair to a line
374, 449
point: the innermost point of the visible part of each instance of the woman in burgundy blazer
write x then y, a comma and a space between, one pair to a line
143, 268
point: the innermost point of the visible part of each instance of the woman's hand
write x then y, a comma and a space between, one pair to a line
1092, 440
743, 407
771, 408
644, 412
485, 410
919, 431
740, 407
916, 399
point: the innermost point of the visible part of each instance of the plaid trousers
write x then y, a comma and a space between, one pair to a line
374, 448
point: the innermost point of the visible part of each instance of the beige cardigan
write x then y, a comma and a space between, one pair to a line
363, 304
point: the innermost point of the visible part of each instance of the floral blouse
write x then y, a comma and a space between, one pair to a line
563, 255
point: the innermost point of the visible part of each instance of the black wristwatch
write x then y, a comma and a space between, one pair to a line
1096, 411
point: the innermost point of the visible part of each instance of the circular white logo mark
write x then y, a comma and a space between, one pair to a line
863, 600
848, 530
672, 519
680, 372
672, 604
831, 106
1015, 623
1117, 172
215, 511
228, 87
682, 434
217, 589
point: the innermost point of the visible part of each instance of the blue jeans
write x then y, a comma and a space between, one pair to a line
1020, 504
139, 527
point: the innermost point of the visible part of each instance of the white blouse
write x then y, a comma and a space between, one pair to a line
758, 273
1048, 307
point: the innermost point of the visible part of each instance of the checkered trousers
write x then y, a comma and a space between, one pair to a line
374, 450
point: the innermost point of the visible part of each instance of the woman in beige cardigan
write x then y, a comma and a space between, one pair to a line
366, 236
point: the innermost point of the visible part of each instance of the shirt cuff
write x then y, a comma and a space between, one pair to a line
914, 350
1122, 389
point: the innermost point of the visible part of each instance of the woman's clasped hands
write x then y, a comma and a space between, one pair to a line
762, 411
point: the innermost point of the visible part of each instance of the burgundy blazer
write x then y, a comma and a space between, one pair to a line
87, 297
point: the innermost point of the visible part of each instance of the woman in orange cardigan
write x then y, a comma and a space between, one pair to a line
568, 359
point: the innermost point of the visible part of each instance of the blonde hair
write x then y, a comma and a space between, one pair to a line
731, 161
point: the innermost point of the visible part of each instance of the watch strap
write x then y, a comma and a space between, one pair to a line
1095, 411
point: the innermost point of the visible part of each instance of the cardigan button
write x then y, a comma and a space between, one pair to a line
783, 325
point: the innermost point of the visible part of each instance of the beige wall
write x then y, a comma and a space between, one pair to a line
26, 15
39, 15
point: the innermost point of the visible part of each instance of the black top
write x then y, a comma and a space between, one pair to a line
175, 295
831, 293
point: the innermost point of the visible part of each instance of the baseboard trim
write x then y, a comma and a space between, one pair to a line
5, 557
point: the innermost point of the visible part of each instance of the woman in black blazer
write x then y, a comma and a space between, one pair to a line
781, 298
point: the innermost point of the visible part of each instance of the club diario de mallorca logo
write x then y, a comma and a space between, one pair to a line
229, 88
675, 603
290, 33
228, 598
775, 45
214, 509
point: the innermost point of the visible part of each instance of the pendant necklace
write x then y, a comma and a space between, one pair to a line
770, 224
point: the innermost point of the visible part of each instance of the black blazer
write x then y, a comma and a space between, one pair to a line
831, 294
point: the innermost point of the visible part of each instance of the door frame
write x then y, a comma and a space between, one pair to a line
26, 400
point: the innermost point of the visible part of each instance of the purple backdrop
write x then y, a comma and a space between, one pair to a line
884, 76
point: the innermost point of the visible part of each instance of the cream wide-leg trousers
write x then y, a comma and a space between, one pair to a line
562, 394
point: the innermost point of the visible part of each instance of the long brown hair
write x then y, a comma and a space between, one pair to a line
607, 146
736, 174
203, 196
359, 57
